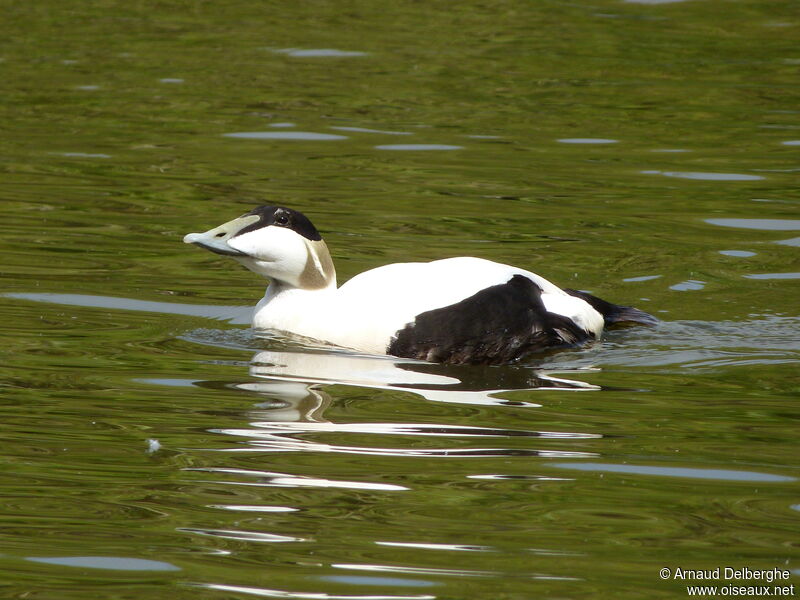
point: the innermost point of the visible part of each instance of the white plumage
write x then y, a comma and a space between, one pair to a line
368, 310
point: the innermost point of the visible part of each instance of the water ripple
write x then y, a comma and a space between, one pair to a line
442, 572
366, 580
772, 276
83, 154
114, 563
270, 593
254, 508
367, 130
501, 477
767, 339
244, 536
448, 547
422, 147
270, 479
688, 285
269, 443
235, 314
641, 278
762, 224
285, 135
790, 242
279, 428
414, 570
317, 52
653, 1
705, 176
692, 473
587, 141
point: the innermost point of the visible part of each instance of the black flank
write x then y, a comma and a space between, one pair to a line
499, 324
282, 217
614, 313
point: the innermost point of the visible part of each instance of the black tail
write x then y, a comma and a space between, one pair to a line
614, 313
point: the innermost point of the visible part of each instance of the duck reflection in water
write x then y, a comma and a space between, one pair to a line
296, 377
293, 384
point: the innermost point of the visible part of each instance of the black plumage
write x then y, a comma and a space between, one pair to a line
282, 217
497, 325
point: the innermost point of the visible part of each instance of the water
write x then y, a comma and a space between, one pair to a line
154, 447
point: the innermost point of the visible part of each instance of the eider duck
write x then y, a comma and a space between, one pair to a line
455, 310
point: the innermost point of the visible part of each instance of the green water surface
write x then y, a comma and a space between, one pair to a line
153, 447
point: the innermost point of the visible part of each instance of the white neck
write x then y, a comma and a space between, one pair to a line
308, 266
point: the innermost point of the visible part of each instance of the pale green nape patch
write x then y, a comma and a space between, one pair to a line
319, 272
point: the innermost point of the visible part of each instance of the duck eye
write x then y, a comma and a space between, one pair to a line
281, 220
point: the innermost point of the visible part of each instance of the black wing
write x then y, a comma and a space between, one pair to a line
497, 325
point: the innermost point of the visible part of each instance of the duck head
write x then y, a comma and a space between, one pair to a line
276, 242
